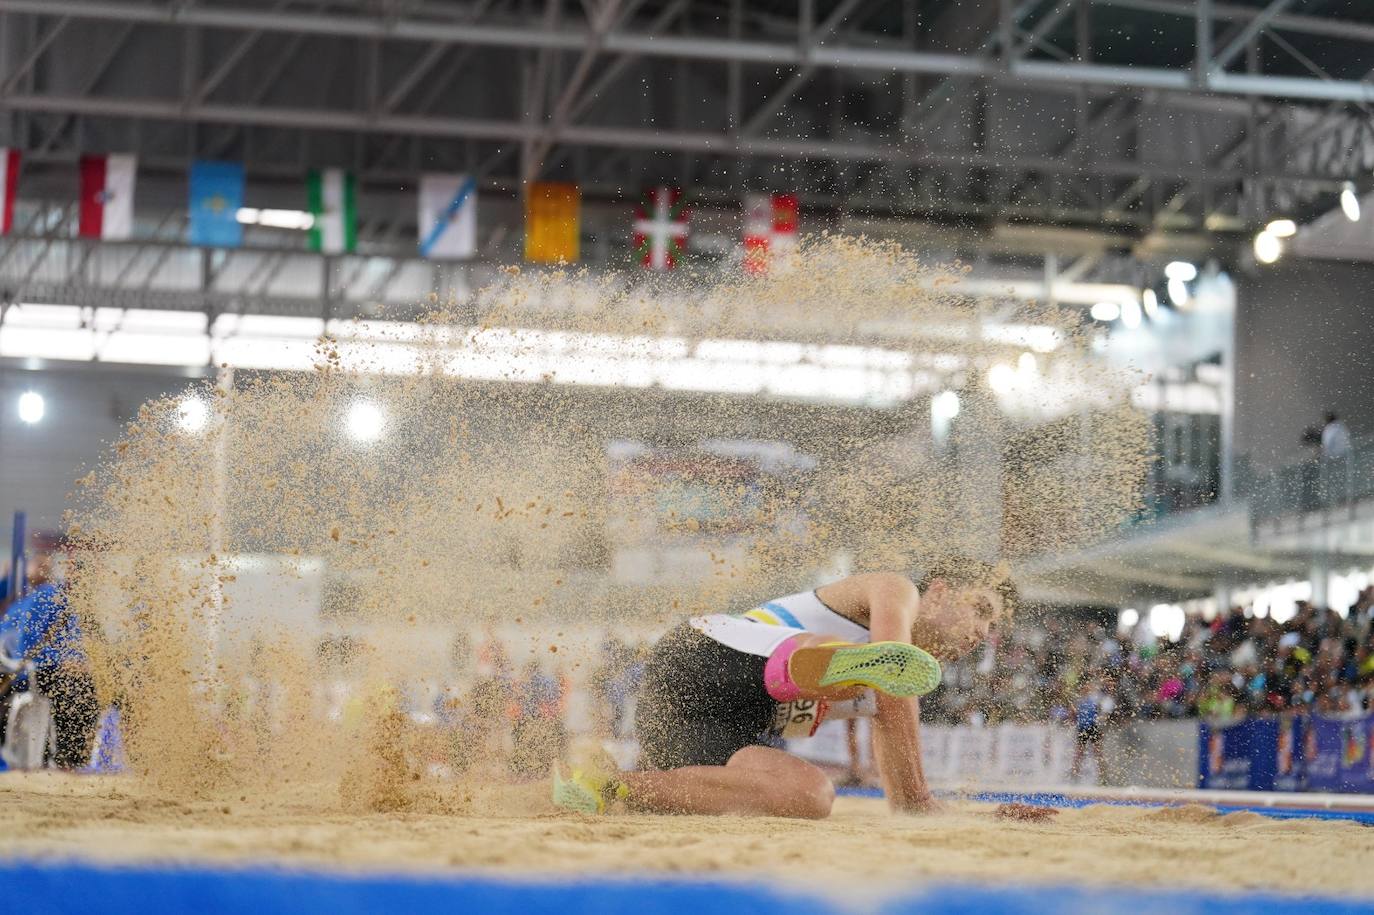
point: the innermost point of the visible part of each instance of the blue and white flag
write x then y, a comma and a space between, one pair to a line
448, 216
216, 196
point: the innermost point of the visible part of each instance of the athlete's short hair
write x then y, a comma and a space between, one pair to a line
966, 572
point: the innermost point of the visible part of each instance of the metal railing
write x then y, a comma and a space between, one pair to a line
1328, 486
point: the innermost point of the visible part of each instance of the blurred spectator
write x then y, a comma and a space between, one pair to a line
1335, 438
539, 735
41, 630
1090, 713
614, 685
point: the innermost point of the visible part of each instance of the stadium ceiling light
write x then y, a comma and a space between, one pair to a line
1350, 202
1001, 378
192, 414
944, 405
1106, 311
1181, 270
1026, 363
1268, 247
1130, 314
1166, 621
1178, 293
1150, 302
365, 421
32, 407
276, 219
1128, 618
1282, 228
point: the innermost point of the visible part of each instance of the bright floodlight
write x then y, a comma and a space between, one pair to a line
365, 421
1268, 248
1130, 314
1106, 311
1026, 363
31, 407
1166, 621
275, 219
1350, 203
944, 405
1001, 378
1150, 302
192, 414
1178, 293
1181, 270
1128, 618
1282, 228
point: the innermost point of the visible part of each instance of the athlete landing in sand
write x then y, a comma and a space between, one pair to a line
720, 692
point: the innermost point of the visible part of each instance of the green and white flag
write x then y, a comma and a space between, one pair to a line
332, 202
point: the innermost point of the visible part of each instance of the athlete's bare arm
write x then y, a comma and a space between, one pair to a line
888, 603
885, 602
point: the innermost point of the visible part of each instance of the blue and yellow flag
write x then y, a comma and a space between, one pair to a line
216, 196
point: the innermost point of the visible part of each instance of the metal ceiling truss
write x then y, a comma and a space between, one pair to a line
42, 261
860, 102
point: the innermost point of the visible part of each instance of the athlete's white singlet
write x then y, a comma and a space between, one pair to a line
768, 625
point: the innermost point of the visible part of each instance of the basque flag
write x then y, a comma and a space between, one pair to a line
9, 183
107, 196
661, 228
216, 196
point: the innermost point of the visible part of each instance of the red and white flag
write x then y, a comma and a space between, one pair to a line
661, 228
9, 182
107, 196
770, 229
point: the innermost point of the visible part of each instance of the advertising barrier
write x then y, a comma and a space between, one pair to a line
1287, 753
1026, 757
1291, 753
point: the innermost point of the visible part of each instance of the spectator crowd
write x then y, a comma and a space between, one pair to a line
1237, 664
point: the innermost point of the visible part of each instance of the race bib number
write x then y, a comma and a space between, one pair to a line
865, 705
798, 718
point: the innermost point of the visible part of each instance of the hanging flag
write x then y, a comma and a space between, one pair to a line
770, 229
661, 228
107, 196
9, 183
216, 197
552, 223
332, 196
448, 216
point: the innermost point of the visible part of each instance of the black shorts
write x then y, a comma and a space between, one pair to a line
1090, 734
701, 703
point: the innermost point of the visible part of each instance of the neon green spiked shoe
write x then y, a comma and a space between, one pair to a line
585, 792
895, 668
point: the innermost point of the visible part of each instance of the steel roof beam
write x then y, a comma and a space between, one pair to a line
626, 137
721, 49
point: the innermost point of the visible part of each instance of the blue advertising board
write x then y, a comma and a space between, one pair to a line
1292, 753
1289, 754
1338, 756
1242, 756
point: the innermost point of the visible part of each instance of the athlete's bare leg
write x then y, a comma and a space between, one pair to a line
756, 780
760, 781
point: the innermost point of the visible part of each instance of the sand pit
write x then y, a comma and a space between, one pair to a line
46, 816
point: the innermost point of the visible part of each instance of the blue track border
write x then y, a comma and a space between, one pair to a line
84, 889
1057, 799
